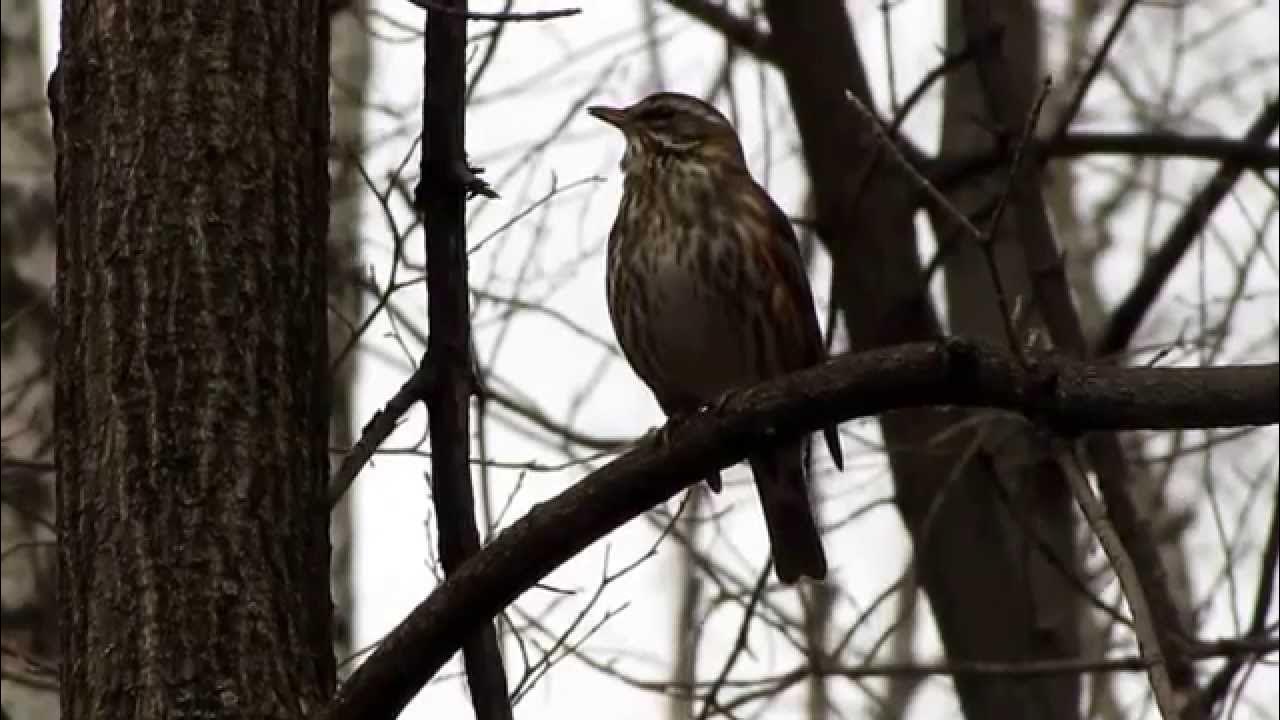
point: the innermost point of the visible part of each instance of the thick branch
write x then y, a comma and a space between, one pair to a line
1068, 395
445, 9
446, 183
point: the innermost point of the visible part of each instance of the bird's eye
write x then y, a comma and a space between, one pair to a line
660, 115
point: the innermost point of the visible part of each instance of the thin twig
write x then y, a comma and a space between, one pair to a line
739, 643
1144, 625
950, 211
503, 17
989, 237
949, 62
1217, 687
377, 430
1095, 66
1019, 154
914, 175
1129, 314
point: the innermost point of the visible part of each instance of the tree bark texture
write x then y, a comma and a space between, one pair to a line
191, 386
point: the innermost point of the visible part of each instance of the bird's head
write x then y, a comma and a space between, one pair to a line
673, 126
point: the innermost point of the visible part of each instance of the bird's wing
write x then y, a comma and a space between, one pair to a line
792, 297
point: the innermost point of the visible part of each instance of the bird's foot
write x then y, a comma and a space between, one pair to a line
717, 406
666, 434
676, 421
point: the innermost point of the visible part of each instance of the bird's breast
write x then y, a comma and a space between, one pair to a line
698, 336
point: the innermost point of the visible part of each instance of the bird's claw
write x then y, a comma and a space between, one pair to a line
667, 433
718, 405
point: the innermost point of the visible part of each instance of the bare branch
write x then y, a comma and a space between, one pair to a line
739, 31
1218, 686
1066, 394
503, 17
446, 183
1130, 583
377, 430
1091, 74
1128, 316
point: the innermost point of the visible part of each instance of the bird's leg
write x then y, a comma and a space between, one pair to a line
675, 420
717, 406
667, 433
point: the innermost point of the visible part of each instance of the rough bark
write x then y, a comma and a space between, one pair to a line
191, 389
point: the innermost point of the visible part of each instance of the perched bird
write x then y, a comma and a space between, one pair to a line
707, 292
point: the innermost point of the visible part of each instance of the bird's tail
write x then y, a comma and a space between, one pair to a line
793, 532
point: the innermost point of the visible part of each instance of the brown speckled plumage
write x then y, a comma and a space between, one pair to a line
708, 293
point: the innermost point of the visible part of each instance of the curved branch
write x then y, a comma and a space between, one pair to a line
1070, 396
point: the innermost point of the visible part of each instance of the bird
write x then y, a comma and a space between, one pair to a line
707, 293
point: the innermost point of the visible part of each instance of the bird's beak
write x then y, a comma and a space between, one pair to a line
613, 116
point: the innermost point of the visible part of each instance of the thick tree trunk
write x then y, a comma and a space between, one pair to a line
191, 387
